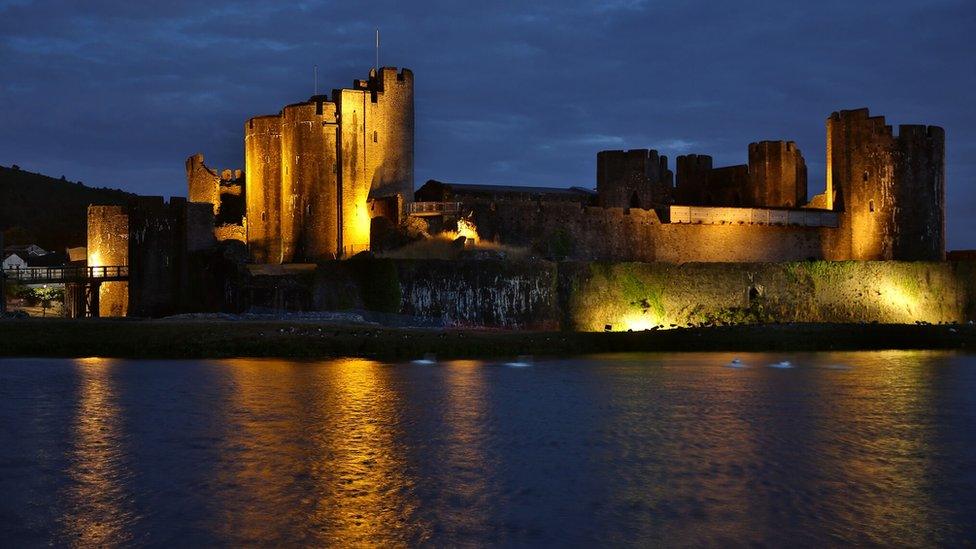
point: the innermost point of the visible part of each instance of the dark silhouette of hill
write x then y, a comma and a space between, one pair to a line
49, 212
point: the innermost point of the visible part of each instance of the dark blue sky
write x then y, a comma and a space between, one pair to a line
120, 93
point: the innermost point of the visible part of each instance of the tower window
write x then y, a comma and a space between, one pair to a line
871, 206
865, 176
375, 136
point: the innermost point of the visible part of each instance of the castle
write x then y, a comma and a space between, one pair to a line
323, 178
318, 172
884, 200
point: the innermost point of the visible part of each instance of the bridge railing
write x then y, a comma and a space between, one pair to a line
434, 208
71, 273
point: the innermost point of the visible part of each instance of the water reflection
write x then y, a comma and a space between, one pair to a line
723, 455
619, 450
686, 433
464, 455
877, 441
366, 497
315, 447
97, 511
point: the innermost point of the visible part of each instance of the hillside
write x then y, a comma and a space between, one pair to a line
49, 212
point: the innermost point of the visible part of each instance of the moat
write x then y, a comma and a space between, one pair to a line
801, 449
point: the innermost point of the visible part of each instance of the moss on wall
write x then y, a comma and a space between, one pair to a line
647, 295
591, 296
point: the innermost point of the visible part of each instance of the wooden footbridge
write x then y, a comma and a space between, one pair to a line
81, 284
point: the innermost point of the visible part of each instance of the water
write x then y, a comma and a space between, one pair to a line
677, 449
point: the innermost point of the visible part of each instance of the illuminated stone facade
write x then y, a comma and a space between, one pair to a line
321, 173
224, 192
889, 188
108, 246
318, 170
885, 200
155, 240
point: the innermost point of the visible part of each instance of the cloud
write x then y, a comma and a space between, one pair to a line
510, 92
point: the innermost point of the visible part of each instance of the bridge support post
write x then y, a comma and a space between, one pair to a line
3, 281
74, 300
91, 299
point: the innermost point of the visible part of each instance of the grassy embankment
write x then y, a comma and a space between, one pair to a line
212, 339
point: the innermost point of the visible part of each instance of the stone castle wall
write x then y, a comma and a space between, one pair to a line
635, 295
636, 178
309, 180
890, 189
568, 231
155, 239
314, 169
203, 184
468, 293
156, 256
691, 185
684, 243
565, 230
591, 296
108, 246
920, 177
777, 175
262, 164
224, 192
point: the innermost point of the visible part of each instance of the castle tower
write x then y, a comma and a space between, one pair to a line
314, 169
309, 181
920, 174
637, 178
890, 190
777, 175
262, 164
202, 182
693, 171
376, 133
108, 245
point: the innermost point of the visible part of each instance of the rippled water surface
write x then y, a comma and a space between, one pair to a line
675, 449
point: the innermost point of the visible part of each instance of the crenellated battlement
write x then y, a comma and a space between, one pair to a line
890, 189
636, 178
777, 175
314, 167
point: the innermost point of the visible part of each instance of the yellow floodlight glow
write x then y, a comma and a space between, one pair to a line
637, 322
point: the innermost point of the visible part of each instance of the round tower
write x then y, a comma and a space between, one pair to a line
262, 164
309, 181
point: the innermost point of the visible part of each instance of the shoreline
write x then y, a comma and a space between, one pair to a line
200, 339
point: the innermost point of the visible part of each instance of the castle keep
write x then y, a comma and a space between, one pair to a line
319, 171
323, 178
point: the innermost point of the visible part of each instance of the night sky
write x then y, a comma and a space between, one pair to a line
120, 93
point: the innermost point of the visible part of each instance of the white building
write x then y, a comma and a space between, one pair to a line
12, 260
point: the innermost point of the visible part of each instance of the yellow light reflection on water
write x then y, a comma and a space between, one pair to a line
316, 448
878, 425
365, 489
467, 418
97, 512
